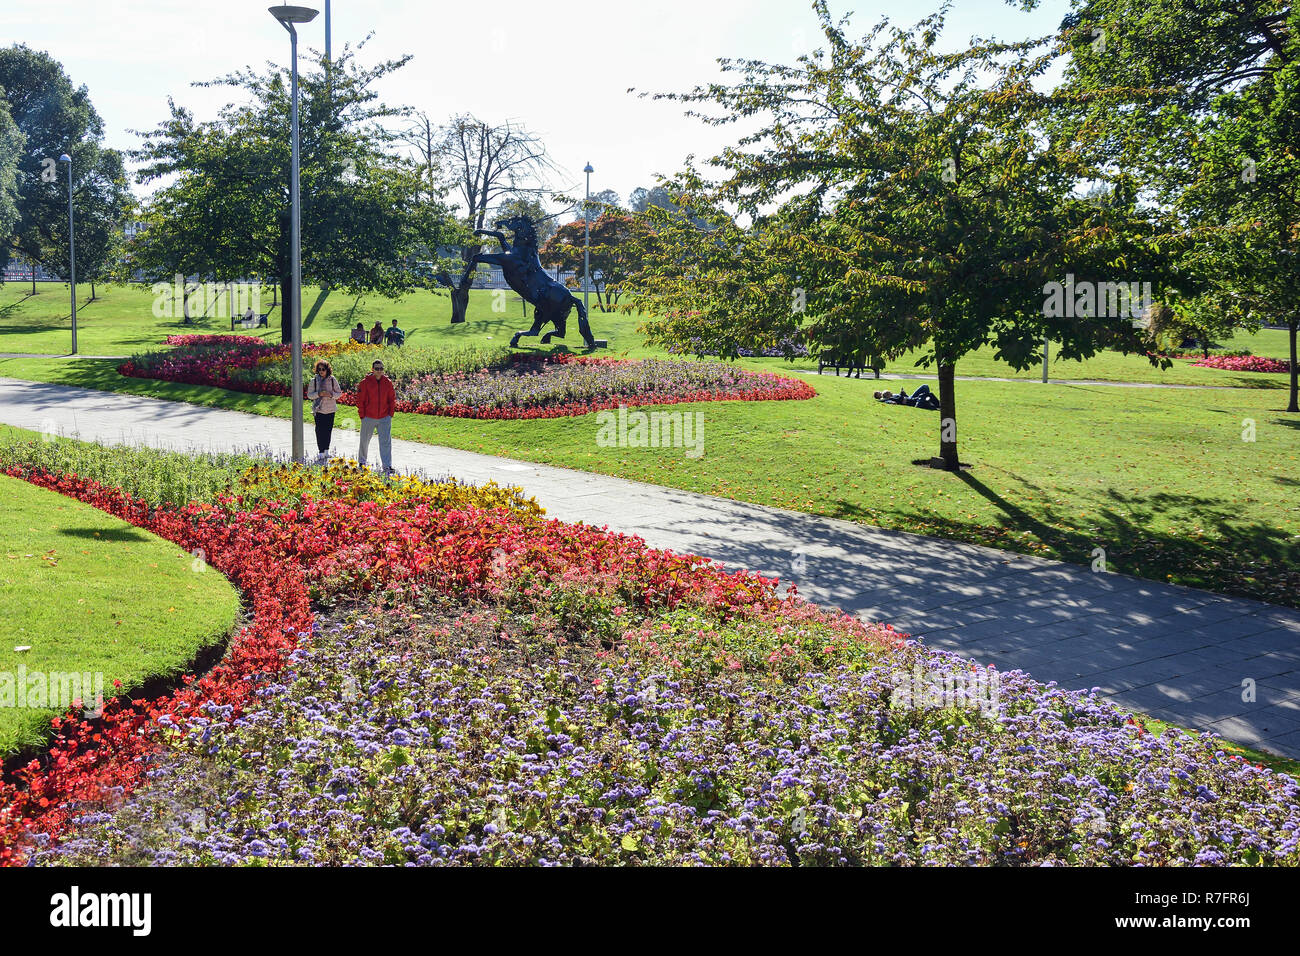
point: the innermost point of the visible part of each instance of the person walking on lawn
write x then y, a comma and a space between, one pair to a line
376, 402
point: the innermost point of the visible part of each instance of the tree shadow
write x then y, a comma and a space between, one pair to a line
8, 311
347, 318
1225, 553
104, 534
315, 308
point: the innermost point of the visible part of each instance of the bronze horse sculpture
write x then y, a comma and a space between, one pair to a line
522, 268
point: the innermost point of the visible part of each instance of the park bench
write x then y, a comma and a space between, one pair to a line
260, 322
854, 366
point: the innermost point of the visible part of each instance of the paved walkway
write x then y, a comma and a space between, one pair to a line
1175, 653
890, 376
61, 355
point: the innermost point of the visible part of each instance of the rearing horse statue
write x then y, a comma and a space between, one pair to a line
523, 272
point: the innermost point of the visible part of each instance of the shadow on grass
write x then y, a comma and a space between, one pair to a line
348, 318
315, 308
1211, 547
1218, 550
104, 534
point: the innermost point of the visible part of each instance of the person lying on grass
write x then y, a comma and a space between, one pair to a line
921, 398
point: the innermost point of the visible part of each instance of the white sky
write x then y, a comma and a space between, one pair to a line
562, 67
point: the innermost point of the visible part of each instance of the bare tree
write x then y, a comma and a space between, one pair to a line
481, 164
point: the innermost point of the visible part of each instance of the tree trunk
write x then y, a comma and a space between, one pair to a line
33, 280
286, 307
460, 302
948, 418
1294, 406
92, 290
460, 292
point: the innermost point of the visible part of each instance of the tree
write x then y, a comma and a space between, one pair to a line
484, 164
11, 151
642, 199
1211, 132
616, 243
897, 197
365, 214
56, 118
531, 209
607, 200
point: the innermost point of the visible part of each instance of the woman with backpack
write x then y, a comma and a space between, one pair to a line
324, 393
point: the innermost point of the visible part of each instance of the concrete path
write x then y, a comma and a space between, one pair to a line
890, 376
1181, 655
61, 355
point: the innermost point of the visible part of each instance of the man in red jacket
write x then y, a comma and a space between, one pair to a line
376, 402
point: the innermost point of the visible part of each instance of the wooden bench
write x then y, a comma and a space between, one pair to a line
855, 367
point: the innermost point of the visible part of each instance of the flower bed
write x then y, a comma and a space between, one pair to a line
1244, 363
504, 386
281, 557
483, 686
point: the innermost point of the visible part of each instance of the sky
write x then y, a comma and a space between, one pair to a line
563, 68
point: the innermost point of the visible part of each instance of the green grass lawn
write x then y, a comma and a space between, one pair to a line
120, 321
88, 593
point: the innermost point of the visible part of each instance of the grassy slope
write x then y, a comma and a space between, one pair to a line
90, 593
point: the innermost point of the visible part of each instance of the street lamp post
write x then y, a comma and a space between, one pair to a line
72, 253
586, 244
288, 16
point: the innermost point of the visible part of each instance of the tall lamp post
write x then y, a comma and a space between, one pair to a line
586, 243
288, 16
72, 253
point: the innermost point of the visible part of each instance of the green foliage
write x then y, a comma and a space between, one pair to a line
897, 197
365, 217
616, 242
532, 210
56, 118
160, 477
1209, 131
11, 151
400, 364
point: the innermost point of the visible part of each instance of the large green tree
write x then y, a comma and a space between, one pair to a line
11, 152
56, 118
226, 212
896, 197
1211, 130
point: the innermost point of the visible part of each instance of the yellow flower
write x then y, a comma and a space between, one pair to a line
347, 481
